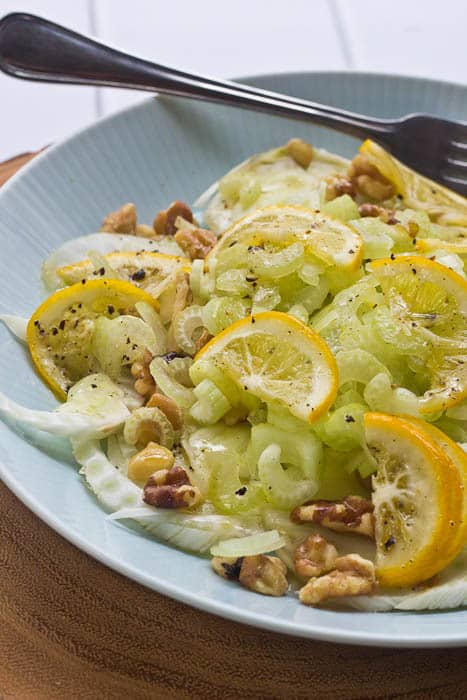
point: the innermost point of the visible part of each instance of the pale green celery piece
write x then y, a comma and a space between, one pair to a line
110, 342
310, 273
179, 369
227, 492
212, 404
282, 486
444, 233
274, 265
349, 394
229, 187
451, 260
221, 312
455, 429
312, 297
343, 208
458, 412
167, 299
182, 395
376, 242
300, 448
139, 420
258, 415
152, 318
343, 429
265, 299
234, 281
367, 468
339, 280
186, 327
280, 417
421, 218
380, 395
359, 366
299, 312
202, 283
249, 192
336, 480
205, 369
216, 444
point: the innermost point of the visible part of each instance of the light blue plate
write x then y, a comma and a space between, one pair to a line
160, 150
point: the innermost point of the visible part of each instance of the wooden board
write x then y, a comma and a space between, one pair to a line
71, 628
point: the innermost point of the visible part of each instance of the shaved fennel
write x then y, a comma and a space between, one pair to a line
194, 532
88, 413
16, 325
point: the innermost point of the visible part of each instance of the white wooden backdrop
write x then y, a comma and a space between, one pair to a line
239, 37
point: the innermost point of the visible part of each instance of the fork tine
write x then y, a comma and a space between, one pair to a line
457, 184
455, 166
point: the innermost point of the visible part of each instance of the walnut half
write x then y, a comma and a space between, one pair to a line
352, 575
121, 221
351, 514
170, 488
314, 556
195, 243
368, 180
260, 573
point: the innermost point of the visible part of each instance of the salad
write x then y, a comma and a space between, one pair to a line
275, 378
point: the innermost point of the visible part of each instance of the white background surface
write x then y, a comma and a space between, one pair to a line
225, 39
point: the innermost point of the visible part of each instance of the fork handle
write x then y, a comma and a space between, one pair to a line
33, 48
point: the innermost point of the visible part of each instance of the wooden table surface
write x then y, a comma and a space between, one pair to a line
70, 628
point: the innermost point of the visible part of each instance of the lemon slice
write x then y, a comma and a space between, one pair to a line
279, 226
59, 332
277, 358
455, 241
441, 204
457, 456
418, 501
429, 300
144, 269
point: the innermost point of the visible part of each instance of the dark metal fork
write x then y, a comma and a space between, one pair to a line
35, 49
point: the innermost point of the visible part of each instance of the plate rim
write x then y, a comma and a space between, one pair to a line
207, 604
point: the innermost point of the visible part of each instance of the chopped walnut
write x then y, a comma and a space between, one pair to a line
352, 575
164, 223
183, 298
170, 488
227, 567
144, 231
204, 338
167, 406
183, 294
121, 221
195, 243
314, 556
338, 185
264, 574
260, 573
351, 514
386, 215
144, 383
300, 151
368, 180
237, 414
